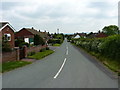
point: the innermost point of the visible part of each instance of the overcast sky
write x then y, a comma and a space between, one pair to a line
69, 16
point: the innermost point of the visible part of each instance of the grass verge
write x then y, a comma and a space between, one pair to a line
10, 65
111, 64
56, 44
41, 55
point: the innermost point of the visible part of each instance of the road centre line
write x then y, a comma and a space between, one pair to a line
67, 52
60, 69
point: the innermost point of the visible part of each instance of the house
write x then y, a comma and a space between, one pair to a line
7, 31
79, 35
101, 35
27, 34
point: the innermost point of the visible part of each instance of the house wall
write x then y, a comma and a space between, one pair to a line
8, 30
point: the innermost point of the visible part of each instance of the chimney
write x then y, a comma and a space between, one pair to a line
32, 28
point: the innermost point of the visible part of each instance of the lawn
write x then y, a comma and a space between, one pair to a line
56, 44
41, 55
7, 66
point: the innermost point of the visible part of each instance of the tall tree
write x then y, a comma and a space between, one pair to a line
111, 30
38, 40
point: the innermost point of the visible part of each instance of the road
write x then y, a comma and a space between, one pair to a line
66, 68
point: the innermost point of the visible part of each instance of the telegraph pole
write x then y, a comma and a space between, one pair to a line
58, 31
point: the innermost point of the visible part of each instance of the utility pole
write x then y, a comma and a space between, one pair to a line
58, 31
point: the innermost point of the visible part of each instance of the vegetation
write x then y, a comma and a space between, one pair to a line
38, 40
105, 49
41, 55
56, 44
5, 46
57, 39
10, 65
111, 30
20, 43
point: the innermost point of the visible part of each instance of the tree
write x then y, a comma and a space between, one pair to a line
38, 40
111, 30
5, 46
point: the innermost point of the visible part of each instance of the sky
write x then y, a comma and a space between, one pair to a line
70, 16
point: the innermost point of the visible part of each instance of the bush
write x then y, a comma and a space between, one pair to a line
47, 48
31, 53
43, 49
111, 47
5, 46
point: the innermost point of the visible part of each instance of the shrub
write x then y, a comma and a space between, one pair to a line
47, 48
31, 53
43, 49
111, 47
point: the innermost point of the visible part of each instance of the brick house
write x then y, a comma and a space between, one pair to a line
101, 35
27, 34
7, 31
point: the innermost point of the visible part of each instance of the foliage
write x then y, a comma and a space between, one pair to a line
111, 30
57, 39
20, 43
31, 53
109, 48
5, 46
38, 40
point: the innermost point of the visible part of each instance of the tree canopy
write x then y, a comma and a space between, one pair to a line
111, 30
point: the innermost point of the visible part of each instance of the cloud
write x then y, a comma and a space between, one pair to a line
68, 15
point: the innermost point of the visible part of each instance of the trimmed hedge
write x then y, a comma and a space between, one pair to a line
108, 47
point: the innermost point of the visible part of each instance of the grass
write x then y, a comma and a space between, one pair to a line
114, 65
56, 44
10, 65
41, 55
111, 64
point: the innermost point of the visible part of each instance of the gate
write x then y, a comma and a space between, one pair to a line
22, 53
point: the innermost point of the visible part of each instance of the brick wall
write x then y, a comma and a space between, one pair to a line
15, 55
35, 49
9, 56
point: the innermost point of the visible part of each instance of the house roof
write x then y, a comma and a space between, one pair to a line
4, 24
100, 35
35, 32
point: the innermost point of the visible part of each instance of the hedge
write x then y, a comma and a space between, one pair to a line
108, 47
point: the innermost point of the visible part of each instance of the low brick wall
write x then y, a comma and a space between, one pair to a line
9, 56
15, 55
35, 49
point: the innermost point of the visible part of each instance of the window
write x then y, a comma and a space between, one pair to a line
7, 37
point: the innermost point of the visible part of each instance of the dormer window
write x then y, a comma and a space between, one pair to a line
7, 37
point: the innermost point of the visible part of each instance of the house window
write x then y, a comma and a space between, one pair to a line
7, 37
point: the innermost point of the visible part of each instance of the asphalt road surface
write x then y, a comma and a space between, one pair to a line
66, 68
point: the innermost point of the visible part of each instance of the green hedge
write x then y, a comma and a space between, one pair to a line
108, 47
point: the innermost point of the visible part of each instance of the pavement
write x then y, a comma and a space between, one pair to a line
67, 67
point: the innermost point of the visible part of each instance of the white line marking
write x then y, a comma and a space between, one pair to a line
67, 52
60, 69
67, 48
